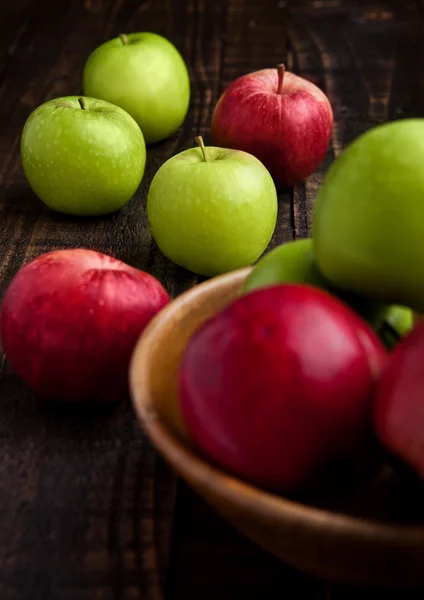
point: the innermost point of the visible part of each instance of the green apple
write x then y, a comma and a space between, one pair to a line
82, 156
368, 226
294, 262
401, 319
291, 262
398, 322
144, 74
212, 210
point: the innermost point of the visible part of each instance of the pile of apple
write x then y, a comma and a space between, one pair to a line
320, 353
297, 374
210, 209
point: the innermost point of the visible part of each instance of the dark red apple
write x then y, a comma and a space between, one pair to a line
399, 405
279, 384
281, 118
70, 320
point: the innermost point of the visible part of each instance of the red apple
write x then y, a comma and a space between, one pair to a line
281, 118
279, 384
399, 405
70, 320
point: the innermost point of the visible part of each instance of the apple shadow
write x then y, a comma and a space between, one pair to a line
58, 217
19, 199
77, 411
29, 416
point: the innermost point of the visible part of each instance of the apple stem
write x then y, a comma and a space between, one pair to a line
199, 140
281, 69
81, 102
123, 38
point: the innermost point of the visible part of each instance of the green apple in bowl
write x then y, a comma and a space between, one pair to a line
82, 156
398, 322
291, 262
368, 225
294, 262
144, 74
212, 210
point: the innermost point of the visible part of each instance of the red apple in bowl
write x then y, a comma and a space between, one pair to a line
70, 320
279, 117
399, 405
279, 384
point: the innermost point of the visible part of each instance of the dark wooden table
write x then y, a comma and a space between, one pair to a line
88, 511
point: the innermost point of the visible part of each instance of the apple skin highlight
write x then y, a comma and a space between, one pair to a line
70, 320
287, 127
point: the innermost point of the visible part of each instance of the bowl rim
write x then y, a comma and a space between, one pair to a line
231, 489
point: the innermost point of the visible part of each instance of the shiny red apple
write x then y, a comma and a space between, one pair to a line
70, 320
399, 405
279, 384
281, 118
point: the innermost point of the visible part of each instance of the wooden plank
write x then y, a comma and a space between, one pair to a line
255, 38
211, 560
349, 49
308, 59
86, 508
16, 18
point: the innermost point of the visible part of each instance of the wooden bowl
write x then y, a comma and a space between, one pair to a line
371, 533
